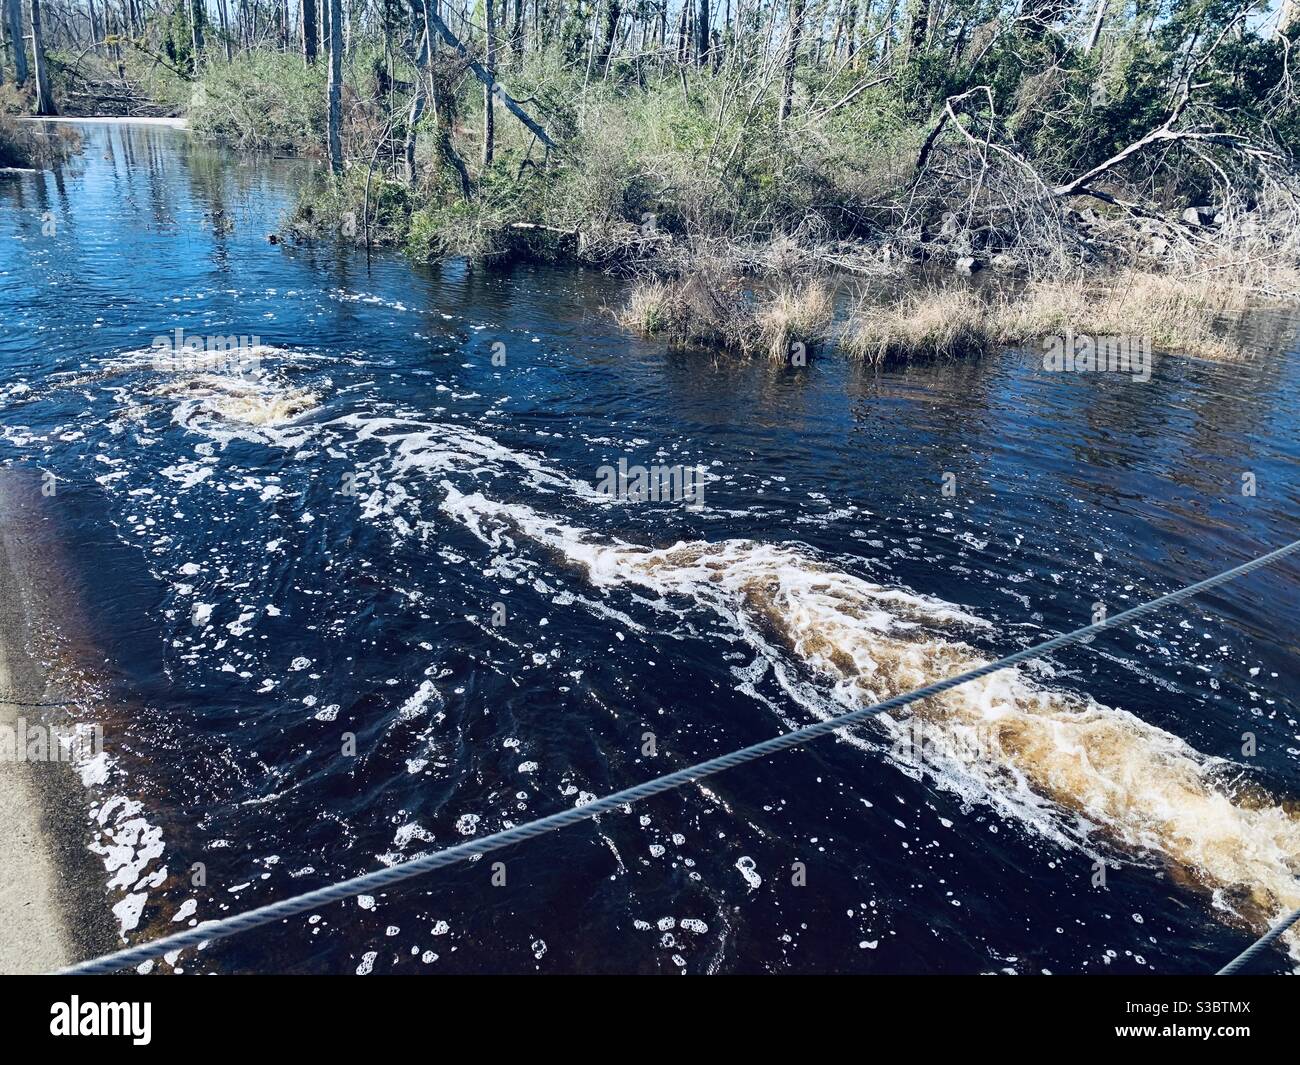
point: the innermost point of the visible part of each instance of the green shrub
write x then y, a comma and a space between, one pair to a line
265, 100
339, 208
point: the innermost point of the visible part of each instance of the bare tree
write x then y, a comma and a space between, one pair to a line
309, 31
196, 28
223, 16
335, 85
489, 86
791, 56
417, 103
476, 68
44, 97
14, 13
1097, 21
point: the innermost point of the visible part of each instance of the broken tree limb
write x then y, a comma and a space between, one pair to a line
950, 115
497, 89
1083, 185
1161, 133
1165, 131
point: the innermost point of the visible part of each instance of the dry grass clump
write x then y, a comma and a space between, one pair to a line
649, 309
934, 323
1178, 314
792, 316
711, 309
704, 309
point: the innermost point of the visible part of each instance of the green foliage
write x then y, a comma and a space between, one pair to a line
155, 81
655, 156
482, 227
178, 38
262, 99
340, 208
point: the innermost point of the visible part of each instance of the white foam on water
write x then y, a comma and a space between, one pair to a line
417, 447
257, 404
1080, 772
257, 408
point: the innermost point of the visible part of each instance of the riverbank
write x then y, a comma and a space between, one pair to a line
26, 145
51, 898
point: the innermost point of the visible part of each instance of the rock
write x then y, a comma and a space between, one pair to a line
967, 264
1003, 261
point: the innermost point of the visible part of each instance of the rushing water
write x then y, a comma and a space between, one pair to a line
387, 534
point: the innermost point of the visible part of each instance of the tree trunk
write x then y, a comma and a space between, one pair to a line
791, 56
14, 11
196, 27
920, 25
324, 21
1096, 26
308, 32
613, 11
44, 97
447, 150
223, 14
335, 8
489, 95
417, 105
702, 43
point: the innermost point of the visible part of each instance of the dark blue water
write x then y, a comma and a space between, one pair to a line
295, 579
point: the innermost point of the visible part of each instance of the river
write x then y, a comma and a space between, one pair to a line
365, 599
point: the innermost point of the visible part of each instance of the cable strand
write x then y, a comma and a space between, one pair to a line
380, 879
1262, 943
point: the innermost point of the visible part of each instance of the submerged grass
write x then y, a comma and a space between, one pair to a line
708, 309
1177, 314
